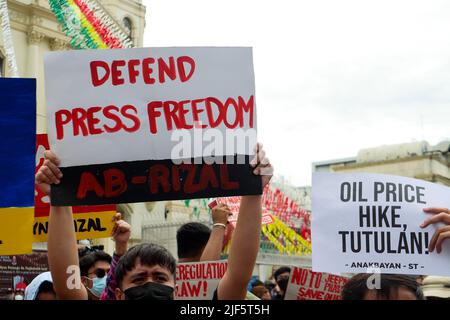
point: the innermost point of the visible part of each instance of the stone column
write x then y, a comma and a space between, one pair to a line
34, 58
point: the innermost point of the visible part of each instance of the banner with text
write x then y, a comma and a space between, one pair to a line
305, 284
199, 280
371, 223
151, 124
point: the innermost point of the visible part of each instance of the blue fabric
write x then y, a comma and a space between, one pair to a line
18, 141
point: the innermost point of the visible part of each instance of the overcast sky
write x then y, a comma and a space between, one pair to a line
332, 76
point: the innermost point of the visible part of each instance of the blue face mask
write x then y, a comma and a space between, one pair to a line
99, 284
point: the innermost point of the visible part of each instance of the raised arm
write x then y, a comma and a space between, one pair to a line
245, 243
63, 255
121, 234
213, 248
62, 243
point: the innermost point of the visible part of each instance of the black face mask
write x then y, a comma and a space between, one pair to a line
283, 283
149, 291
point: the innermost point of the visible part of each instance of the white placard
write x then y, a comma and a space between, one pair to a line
106, 106
199, 280
385, 213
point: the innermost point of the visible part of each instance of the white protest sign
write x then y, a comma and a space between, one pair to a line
134, 99
150, 124
198, 280
371, 223
305, 284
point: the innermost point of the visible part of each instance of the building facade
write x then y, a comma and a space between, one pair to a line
36, 31
418, 160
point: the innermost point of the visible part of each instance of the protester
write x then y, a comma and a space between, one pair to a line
19, 291
41, 288
281, 276
196, 242
270, 285
137, 269
391, 287
121, 234
261, 292
94, 267
192, 238
436, 288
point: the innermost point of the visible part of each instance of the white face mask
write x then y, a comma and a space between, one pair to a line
18, 297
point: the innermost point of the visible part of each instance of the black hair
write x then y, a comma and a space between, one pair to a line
356, 288
192, 238
269, 285
46, 286
149, 254
256, 283
281, 270
89, 260
87, 250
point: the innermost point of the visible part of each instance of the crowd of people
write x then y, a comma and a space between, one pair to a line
148, 271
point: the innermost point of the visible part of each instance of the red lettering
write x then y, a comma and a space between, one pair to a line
246, 107
225, 183
115, 182
208, 177
132, 72
92, 121
194, 290
88, 182
108, 114
147, 70
181, 69
159, 175
175, 179
196, 111
299, 276
238, 115
165, 69
208, 102
116, 73
171, 114
189, 185
96, 80
79, 116
62, 117
182, 118
132, 117
153, 114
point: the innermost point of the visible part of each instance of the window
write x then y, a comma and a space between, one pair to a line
128, 27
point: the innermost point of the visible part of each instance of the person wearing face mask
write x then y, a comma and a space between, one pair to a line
94, 267
281, 276
19, 293
146, 272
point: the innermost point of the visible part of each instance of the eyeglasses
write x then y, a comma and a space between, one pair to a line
100, 273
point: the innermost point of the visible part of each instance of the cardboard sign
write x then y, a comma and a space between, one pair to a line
90, 222
199, 280
151, 124
18, 132
305, 284
371, 223
233, 204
